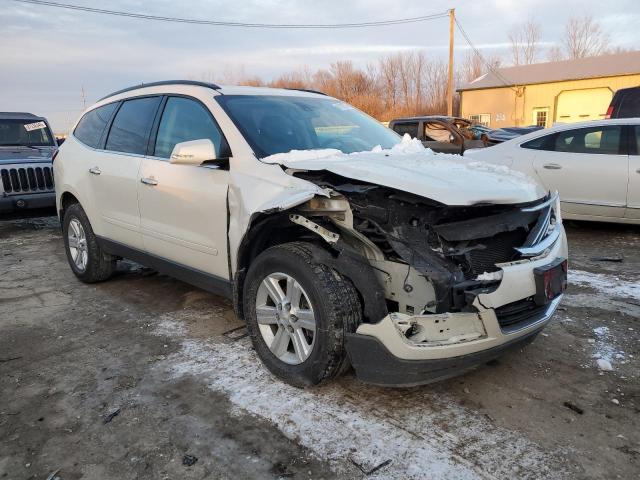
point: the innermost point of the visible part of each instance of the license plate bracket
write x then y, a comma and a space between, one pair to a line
551, 280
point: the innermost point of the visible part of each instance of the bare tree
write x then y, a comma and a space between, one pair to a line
524, 40
584, 38
554, 54
471, 67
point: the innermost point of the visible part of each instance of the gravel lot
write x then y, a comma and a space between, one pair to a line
124, 379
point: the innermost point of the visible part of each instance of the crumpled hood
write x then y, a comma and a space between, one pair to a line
410, 167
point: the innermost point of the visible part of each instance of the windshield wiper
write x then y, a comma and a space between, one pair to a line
21, 146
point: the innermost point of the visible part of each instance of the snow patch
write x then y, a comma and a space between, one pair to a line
604, 365
605, 352
490, 276
608, 284
352, 420
409, 166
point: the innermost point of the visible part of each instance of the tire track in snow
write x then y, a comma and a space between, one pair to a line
424, 434
607, 284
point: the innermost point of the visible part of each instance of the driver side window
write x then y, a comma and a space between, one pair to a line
183, 120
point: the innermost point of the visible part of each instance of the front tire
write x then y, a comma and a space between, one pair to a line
87, 260
298, 313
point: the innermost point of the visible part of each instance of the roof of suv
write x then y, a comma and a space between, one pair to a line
19, 116
224, 90
442, 118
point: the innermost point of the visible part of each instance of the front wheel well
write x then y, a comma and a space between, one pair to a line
66, 200
265, 232
276, 229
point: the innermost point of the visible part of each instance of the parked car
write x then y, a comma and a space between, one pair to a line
594, 165
625, 104
339, 241
26, 149
499, 135
439, 133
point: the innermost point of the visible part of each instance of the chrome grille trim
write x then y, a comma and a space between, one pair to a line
17, 180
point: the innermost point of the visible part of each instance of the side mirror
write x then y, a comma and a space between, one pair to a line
452, 138
194, 152
60, 140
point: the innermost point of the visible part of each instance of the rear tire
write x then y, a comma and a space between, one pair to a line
87, 260
324, 297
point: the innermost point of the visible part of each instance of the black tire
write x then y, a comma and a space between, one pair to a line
100, 265
335, 303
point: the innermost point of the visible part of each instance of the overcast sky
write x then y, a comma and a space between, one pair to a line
48, 55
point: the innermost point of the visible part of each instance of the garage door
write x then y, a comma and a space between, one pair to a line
580, 105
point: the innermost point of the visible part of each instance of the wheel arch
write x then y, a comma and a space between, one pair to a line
66, 200
269, 230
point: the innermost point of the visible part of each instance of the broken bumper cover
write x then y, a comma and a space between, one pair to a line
375, 364
445, 345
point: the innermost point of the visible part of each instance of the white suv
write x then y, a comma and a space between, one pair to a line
340, 242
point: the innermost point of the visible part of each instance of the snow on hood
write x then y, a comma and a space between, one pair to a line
410, 167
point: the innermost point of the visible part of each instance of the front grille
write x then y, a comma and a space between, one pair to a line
27, 179
519, 314
498, 249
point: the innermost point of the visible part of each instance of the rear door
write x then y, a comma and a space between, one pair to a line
633, 194
589, 167
183, 208
115, 170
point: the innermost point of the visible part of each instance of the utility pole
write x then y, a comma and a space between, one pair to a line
452, 19
84, 99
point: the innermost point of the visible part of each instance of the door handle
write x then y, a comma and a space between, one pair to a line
638, 170
95, 170
552, 166
149, 181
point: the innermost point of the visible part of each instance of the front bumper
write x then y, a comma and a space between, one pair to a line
30, 201
449, 344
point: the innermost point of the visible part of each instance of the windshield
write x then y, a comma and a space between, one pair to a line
28, 133
279, 124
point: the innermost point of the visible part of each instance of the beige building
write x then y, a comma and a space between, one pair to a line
545, 93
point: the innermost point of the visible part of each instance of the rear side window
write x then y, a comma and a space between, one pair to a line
540, 143
184, 120
598, 140
410, 128
131, 127
91, 126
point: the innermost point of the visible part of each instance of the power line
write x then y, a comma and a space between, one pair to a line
490, 67
142, 16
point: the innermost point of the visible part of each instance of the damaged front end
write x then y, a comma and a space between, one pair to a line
440, 284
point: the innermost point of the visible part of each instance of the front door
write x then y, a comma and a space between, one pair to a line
439, 138
114, 172
588, 168
633, 193
183, 208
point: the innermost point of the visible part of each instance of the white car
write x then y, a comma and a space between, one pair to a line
339, 241
594, 165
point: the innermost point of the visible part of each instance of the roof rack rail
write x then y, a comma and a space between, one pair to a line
308, 91
164, 82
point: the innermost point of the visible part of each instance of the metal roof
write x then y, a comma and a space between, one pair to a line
625, 63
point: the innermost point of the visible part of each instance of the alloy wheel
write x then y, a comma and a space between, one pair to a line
78, 245
285, 318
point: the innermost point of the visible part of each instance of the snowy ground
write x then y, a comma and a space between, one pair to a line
155, 350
